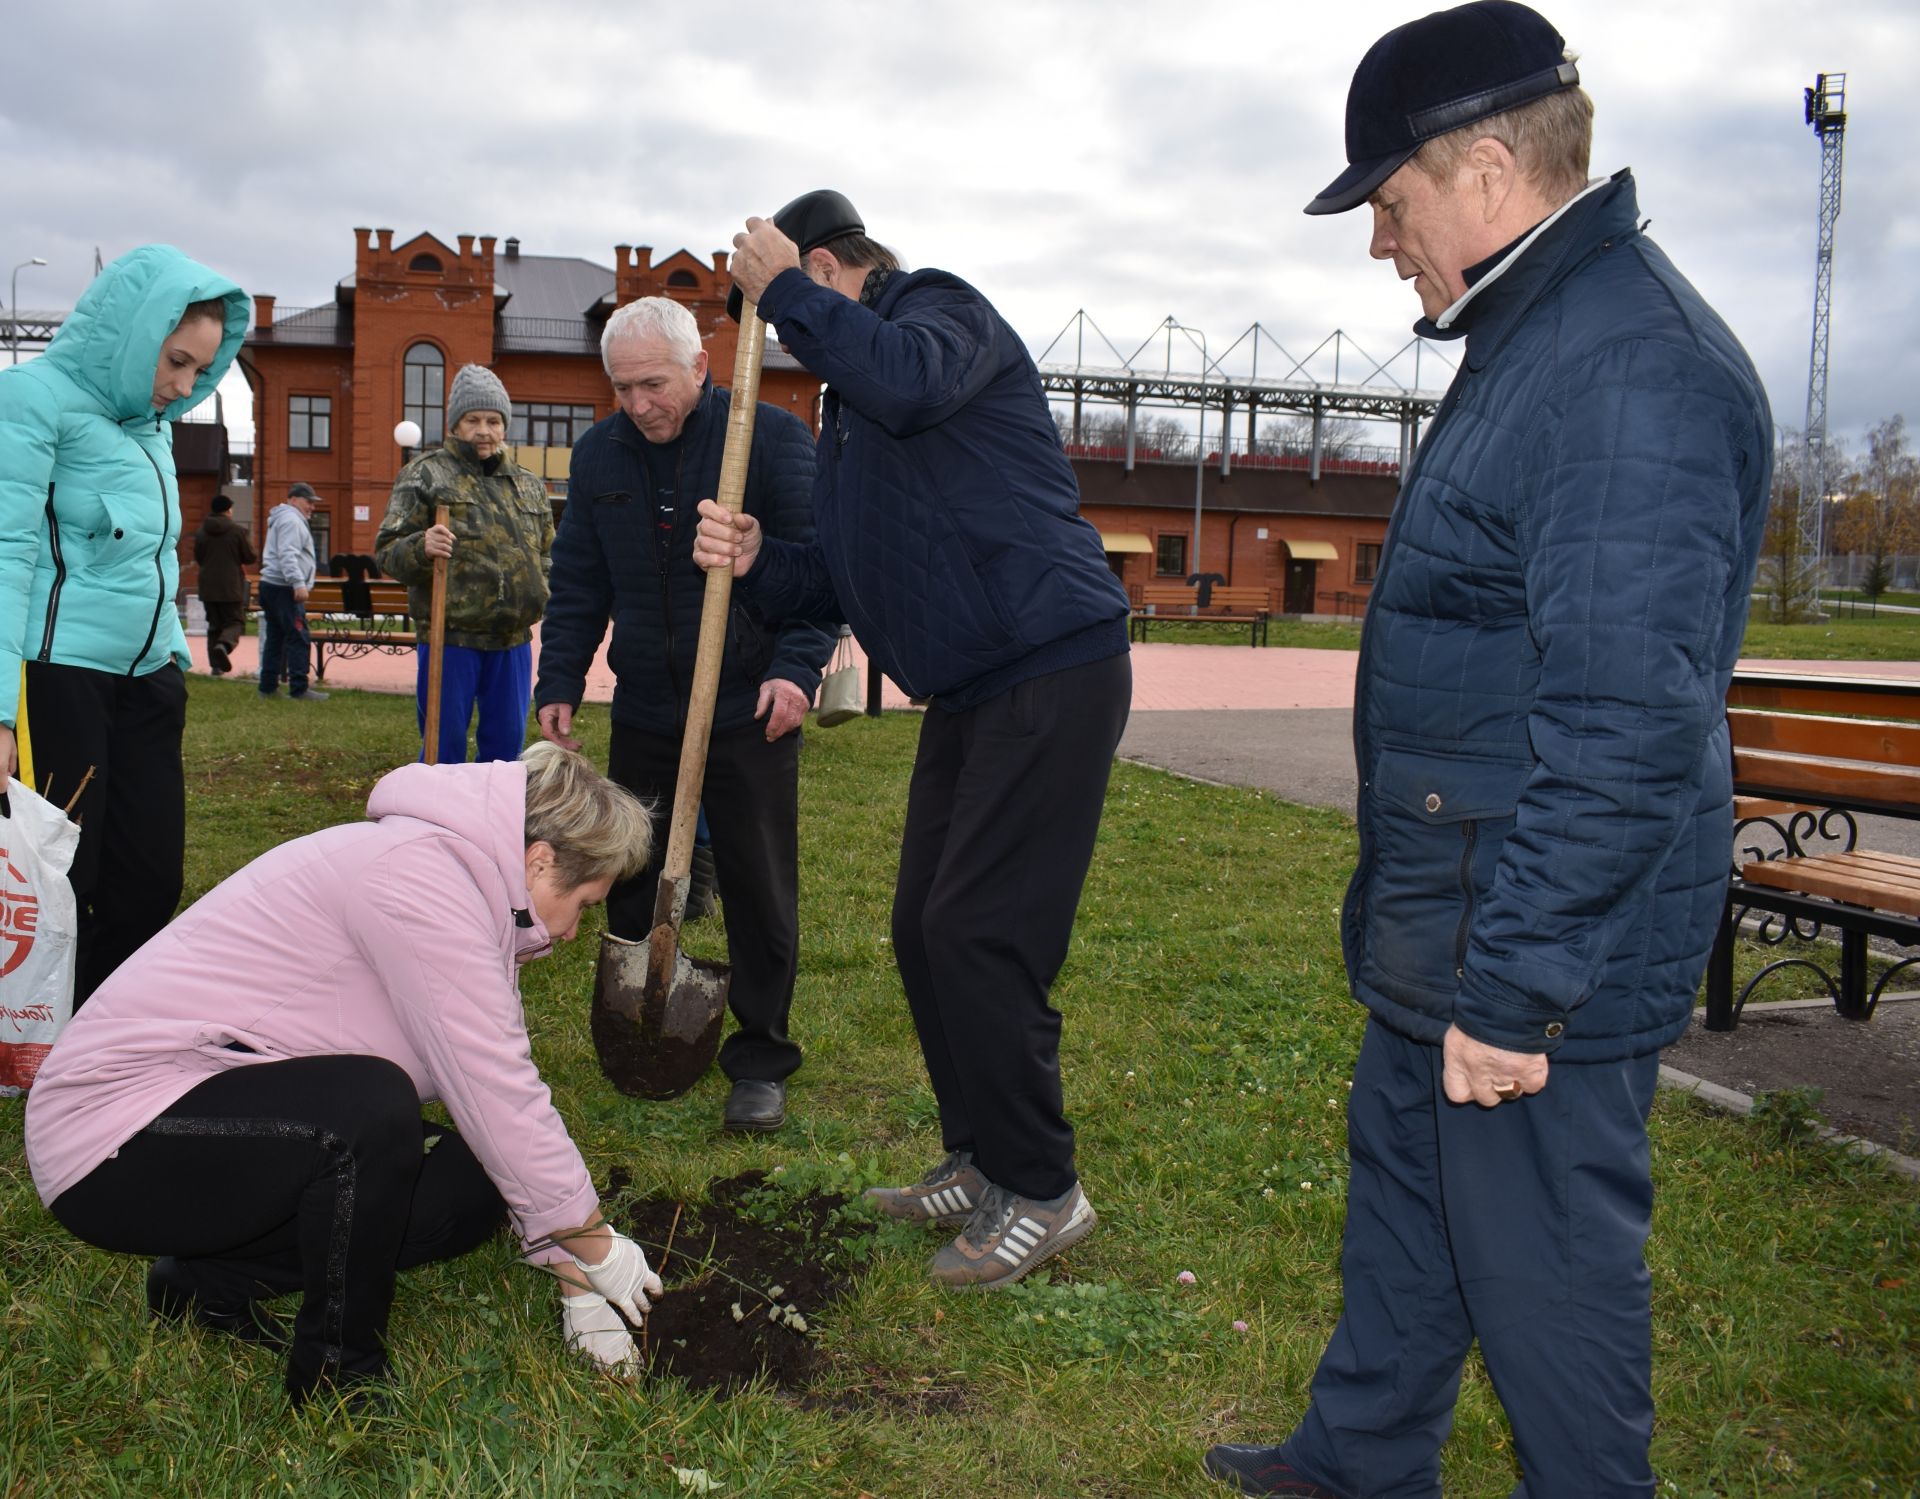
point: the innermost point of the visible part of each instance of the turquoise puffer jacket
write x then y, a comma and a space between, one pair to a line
89, 508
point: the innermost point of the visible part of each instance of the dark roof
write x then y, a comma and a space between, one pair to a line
1169, 486
550, 286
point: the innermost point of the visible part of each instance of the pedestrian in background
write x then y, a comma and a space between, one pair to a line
222, 551
287, 569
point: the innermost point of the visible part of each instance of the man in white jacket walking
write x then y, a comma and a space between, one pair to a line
286, 577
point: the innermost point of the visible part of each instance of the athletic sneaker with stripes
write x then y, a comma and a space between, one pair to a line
944, 1198
1009, 1235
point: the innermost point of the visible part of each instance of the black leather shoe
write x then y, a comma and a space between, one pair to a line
174, 1294
1258, 1470
755, 1107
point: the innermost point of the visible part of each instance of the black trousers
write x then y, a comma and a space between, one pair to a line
315, 1174
752, 799
129, 868
1001, 816
226, 623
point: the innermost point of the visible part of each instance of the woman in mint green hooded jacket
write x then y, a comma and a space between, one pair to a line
91, 649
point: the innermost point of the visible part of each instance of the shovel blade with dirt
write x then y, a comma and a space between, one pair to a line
656, 1011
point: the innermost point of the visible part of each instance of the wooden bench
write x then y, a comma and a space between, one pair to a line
1809, 753
1176, 603
348, 620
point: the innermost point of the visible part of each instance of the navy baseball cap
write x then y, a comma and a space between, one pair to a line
1437, 74
810, 221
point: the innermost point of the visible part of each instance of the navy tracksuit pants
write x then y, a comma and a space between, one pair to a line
1521, 1226
498, 684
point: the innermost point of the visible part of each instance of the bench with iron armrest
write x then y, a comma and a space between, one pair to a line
351, 618
1176, 603
1809, 753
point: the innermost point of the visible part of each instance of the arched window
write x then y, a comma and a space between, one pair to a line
425, 395
425, 262
682, 278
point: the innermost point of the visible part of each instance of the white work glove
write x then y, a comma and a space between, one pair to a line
592, 1327
623, 1277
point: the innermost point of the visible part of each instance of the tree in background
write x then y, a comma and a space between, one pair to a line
1880, 517
1293, 436
1782, 558
1155, 436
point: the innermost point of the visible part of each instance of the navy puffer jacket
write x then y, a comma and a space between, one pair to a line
1540, 727
606, 566
950, 534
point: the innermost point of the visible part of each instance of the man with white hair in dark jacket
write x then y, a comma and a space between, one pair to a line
950, 538
1545, 801
624, 553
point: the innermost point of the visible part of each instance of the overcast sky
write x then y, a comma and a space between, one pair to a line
1133, 159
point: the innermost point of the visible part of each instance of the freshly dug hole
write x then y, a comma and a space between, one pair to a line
716, 1247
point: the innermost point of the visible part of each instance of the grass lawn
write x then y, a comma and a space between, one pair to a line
1884, 637
1305, 634
1881, 637
1206, 1052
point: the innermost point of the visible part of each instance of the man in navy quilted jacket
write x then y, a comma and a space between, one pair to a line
1545, 801
624, 552
950, 538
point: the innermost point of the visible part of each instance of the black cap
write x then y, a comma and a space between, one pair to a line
1437, 74
810, 220
301, 492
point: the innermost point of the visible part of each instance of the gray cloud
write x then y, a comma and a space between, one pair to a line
1136, 159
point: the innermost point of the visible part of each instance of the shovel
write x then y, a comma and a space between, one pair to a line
436, 650
656, 1011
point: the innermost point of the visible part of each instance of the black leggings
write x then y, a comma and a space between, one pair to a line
316, 1175
126, 873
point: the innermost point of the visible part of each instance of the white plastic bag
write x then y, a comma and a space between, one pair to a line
38, 923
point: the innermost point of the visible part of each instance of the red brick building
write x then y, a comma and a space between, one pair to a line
1313, 545
330, 383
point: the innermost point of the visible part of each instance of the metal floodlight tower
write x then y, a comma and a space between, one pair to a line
1826, 104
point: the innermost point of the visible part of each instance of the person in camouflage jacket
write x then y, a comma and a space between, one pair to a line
499, 545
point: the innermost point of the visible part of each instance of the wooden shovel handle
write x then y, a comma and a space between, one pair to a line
436, 649
713, 609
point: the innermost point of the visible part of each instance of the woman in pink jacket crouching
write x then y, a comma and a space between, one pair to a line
242, 1097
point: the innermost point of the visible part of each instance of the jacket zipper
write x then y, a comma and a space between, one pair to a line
1470, 831
159, 572
1362, 745
663, 563
59, 576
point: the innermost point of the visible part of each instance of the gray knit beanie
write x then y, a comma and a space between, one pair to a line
477, 388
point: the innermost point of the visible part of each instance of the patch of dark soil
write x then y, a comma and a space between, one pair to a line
645, 1060
727, 1254
1868, 1072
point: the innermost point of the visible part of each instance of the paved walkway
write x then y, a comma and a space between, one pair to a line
1167, 678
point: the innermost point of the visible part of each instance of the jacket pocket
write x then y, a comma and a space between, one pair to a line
528, 590
121, 538
1437, 824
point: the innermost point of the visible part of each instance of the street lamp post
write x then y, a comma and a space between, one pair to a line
13, 306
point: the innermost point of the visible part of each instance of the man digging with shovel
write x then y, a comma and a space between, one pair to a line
624, 552
951, 540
